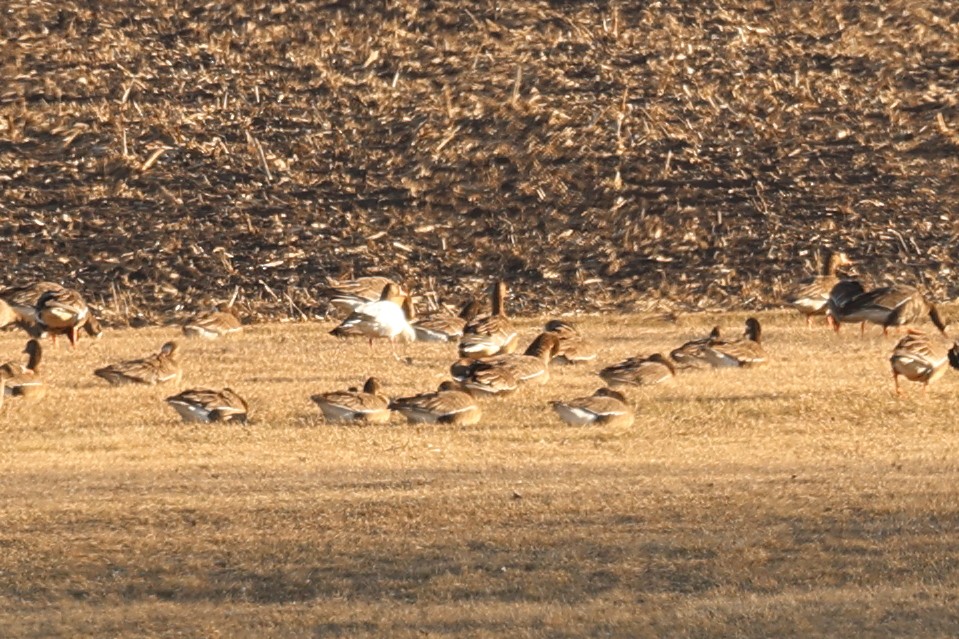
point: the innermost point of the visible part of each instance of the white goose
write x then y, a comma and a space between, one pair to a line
383, 319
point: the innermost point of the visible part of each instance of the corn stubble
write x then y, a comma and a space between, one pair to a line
796, 499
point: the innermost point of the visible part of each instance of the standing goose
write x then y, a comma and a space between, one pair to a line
744, 352
202, 405
639, 371
62, 312
156, 369
921, 358
24, 381
605, 406
347, 295
445, 328
448, 405
692, 354
573, 347
531, 366
491, 334
811, 297
367, 406
382, 319
888, 306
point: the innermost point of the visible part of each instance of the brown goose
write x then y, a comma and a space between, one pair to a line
62, 312
888, 306
218, 323
448, 405
156, 369
921, 358
491, 334
23, 299
367, 406
692, 354
8, 315
445, 328
573, 347
605, 406
24, 381
531, 366
747, 351
639, 371
811, 297
202, 405
346, 295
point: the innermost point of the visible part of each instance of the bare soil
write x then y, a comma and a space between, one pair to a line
598, 154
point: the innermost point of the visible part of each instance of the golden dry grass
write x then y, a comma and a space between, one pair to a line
800, 499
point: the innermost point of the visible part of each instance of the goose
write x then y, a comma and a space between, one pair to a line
203, 405
384, 318
62, 312
445, 328
921, 358
367, 406
491, 334
23, 298
811, 297
639, 371
448, 405
606, 406
347, 295
692, 354
24, 380
217, 323
513, 369
156, 369
8, 315
744, 352
895, 305
573, 347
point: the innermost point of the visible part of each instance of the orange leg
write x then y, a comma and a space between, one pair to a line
895, 380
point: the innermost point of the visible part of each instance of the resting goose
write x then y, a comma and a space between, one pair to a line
347, 295
573, 347
491, 334
811, 297
605, 406
445, 328
202, 405
23, 299
156, 369
531, 366
217, 323
744, 352
367, 406
639, 371
24, 381
8, 315
448, 405
692, 354
382, 319
921, 358
895, 305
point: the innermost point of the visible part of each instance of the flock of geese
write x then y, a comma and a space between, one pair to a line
489, 362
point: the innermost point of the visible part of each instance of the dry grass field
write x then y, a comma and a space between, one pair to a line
796, 500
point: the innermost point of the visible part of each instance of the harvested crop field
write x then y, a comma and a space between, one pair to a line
800, 499
601, 154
